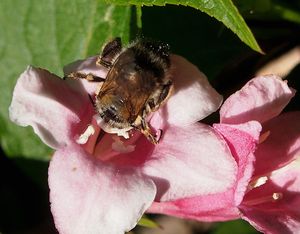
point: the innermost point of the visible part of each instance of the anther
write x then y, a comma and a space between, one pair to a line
84, 137
277, 196
257, 182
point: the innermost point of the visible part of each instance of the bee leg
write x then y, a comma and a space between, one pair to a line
80, 75
159, 98
141, 125
109, 52
147, 132
165, 92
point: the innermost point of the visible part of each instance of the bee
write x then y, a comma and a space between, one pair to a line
137, 83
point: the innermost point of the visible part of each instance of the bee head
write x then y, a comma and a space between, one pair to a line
113, 111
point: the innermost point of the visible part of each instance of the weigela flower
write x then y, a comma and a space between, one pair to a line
267, 190
101, 183
272, 198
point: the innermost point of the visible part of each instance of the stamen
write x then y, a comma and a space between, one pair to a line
272, 198
257, 182
264, 137
83, 138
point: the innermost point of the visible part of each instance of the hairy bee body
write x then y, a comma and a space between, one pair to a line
137, 83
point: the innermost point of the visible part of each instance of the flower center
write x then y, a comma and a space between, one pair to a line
255, 183
104, 145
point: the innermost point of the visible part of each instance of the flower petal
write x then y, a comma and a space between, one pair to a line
193, 98
220, 206
88, 196
281, 146
242, 141
87, 66
50, 105
209, 208
274, 222
261, 99
281, 214
199, 154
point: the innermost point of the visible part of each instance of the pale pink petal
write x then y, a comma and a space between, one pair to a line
189, 161
88, 196
282, 145
210, 208
193, 98
242, 140
245, 173
87, 66
53, 107
281, 215
261, 99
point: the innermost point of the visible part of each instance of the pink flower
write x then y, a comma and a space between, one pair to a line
104, 186
267, 188
272, 199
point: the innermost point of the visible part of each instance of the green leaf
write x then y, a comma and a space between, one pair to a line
222, 10
49, 34
234, 227
269, 10
146, 222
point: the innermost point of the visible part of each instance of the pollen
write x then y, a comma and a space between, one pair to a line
109, 129
83, 138
257, 182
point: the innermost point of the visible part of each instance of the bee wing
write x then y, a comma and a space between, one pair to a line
109, 52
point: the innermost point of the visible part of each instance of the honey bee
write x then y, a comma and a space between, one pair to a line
137, 83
